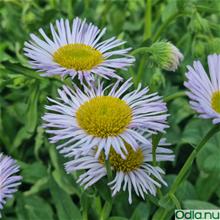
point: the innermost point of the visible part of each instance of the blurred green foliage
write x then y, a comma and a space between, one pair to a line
47, 192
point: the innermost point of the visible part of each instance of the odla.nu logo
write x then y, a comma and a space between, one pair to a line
200, 214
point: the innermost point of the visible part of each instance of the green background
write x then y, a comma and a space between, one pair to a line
47, 192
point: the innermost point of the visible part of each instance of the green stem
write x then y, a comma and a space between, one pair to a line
186, 167
85, 213
69, 9
141, 50
28, 72
108, 169
107, 208
175, 201
140, 71
174, 96
147, 34
155, 141
182, 174
68, 81
148, 20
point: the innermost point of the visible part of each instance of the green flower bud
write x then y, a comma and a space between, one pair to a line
165, 55
29, 18
198, 24
198, 48
213, 46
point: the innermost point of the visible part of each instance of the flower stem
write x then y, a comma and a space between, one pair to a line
147, 34
107, 208
175, 201
141, 50
148, 20
108, 169
182, 174
140, 71
155, 141
174, 96
186, 167
85, 213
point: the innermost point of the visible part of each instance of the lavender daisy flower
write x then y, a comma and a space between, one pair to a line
204, 89
96, 118
133, 173
8, 178
76, 50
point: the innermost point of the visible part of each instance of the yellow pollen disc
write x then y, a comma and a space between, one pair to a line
104, 116
215, 101
78, 57
133, 160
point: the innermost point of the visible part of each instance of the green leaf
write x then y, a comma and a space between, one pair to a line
66, 209
39, 139
194, 131
185, 191
196, 204
161, 212
169, 9
22, 135
207, 184
32, 111
41, 184
106, 209
31, 118
207, 158
66, 182
33, 208
103, 191
166, 202
117, 218
142, 212
31, 173
179, 110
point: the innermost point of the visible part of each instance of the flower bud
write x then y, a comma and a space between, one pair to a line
213, 46
165, 55
198, 24
198, 48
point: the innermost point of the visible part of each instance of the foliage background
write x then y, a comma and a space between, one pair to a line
47, 192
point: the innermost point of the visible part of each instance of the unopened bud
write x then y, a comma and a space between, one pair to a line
198, 24
213, 46
165, 55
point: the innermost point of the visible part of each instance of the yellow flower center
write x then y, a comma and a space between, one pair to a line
215, 101
133, 160
78, 57
104, 116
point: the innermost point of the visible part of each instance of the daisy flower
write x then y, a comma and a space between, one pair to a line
134, 172
97, 118
9, 180
76, 50
204, 89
